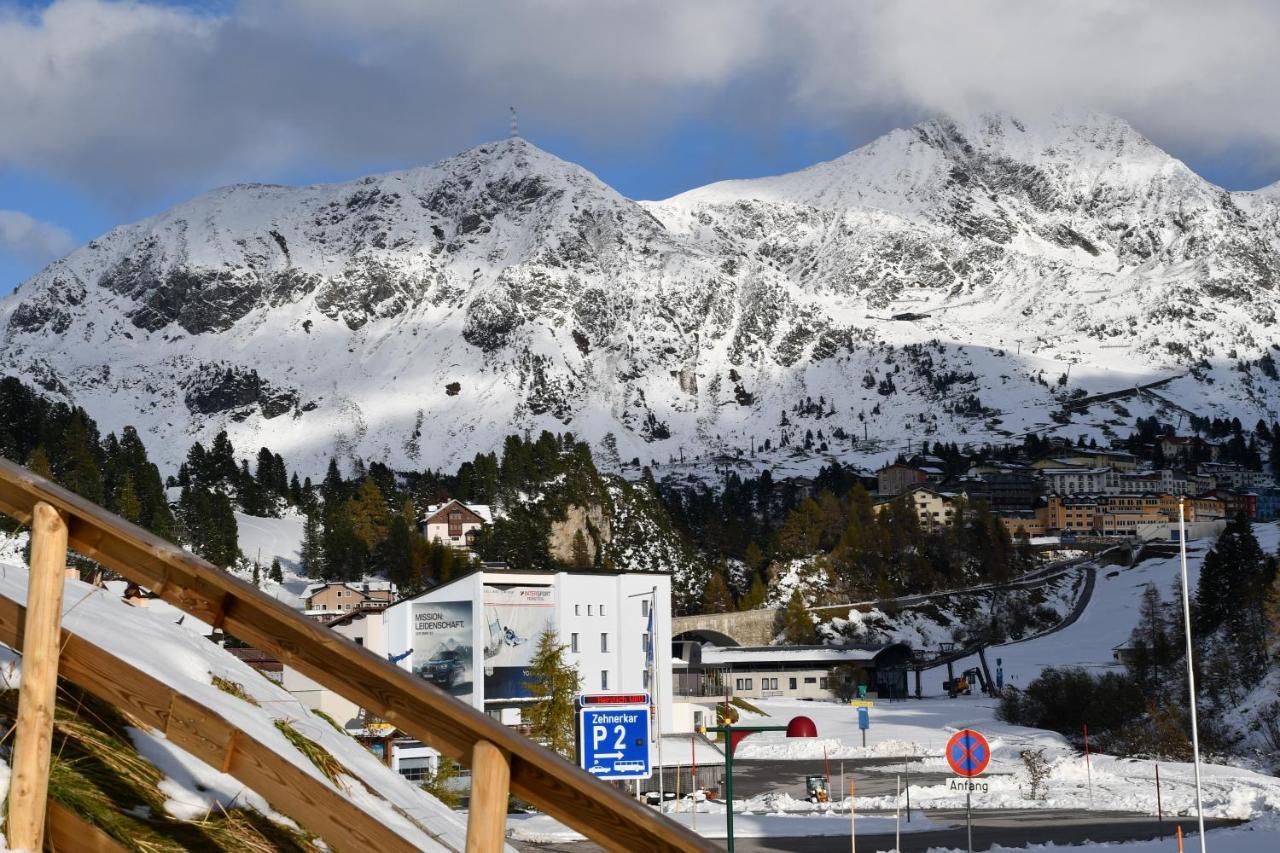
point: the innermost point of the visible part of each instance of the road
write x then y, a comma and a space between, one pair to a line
1010, 828
876, 777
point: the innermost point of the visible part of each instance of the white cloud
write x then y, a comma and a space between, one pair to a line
30, 240
139, 100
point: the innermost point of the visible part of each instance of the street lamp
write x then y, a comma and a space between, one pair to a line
797, 727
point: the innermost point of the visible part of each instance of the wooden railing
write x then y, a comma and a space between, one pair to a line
501, 761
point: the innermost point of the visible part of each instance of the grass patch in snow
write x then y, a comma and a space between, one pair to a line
747, 706
235, 688
315, 753
97, 773
330, 720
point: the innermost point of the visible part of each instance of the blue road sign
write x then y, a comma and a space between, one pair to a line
864, 719
613, 739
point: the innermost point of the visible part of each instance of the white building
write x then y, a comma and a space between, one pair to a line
476, 635
455, 523
1080, 481
1161, 481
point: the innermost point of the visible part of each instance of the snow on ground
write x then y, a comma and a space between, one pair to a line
768, 816
898, 729
1107, 621
265, 539
150, 641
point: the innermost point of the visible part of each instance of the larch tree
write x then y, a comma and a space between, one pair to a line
555, 682
716, 598
796, 621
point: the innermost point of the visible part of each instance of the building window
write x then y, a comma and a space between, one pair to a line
644, 643
810, 680
823, 684
604, 679
604, 642
646, 679
743, 684
455, 523
577, 610
601, 609
644, 607
589, 609
791, 683
573, 642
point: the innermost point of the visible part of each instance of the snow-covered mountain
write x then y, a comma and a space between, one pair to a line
419, 316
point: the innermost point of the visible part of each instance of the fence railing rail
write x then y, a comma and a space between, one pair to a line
501, 761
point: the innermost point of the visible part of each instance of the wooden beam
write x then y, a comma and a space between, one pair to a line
538, 776
70, 833
215, 741
490, 788
33, 738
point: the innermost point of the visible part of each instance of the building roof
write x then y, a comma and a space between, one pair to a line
483, 510
362, 587
499, 569
796, 655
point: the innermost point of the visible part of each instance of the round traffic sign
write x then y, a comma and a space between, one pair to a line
968, 753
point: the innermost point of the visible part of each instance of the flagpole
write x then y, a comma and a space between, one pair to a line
1191, 669
657, 692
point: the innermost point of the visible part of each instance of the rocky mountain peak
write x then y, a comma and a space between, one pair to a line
932, 282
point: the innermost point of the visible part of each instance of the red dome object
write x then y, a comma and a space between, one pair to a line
801, 727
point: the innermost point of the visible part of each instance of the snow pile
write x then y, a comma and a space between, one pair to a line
150, 641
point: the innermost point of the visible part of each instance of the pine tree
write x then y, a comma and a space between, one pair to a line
581, 559
797, 622
555, 682
276, 573
80, 469
311, 552
1231, 594
1271, 610
395, 554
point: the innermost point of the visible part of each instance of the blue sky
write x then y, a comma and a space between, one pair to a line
120, 109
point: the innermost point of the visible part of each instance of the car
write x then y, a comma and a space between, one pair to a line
447, 670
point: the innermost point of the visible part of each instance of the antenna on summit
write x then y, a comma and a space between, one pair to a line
515, 125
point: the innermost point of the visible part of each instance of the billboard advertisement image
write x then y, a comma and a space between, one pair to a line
514, 618
442, 645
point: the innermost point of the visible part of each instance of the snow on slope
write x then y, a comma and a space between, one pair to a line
186, 662
417, 317
1110, 617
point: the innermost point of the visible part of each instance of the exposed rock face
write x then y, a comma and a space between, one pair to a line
934, 283
591, 521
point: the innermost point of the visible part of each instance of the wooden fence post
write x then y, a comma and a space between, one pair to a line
33, 738
490, 787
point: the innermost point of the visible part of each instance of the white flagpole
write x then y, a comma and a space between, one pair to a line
1191, 669
657, 693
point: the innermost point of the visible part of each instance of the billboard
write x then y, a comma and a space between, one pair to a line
514, 617
442, 645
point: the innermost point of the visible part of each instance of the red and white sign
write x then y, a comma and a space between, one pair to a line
968, 753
